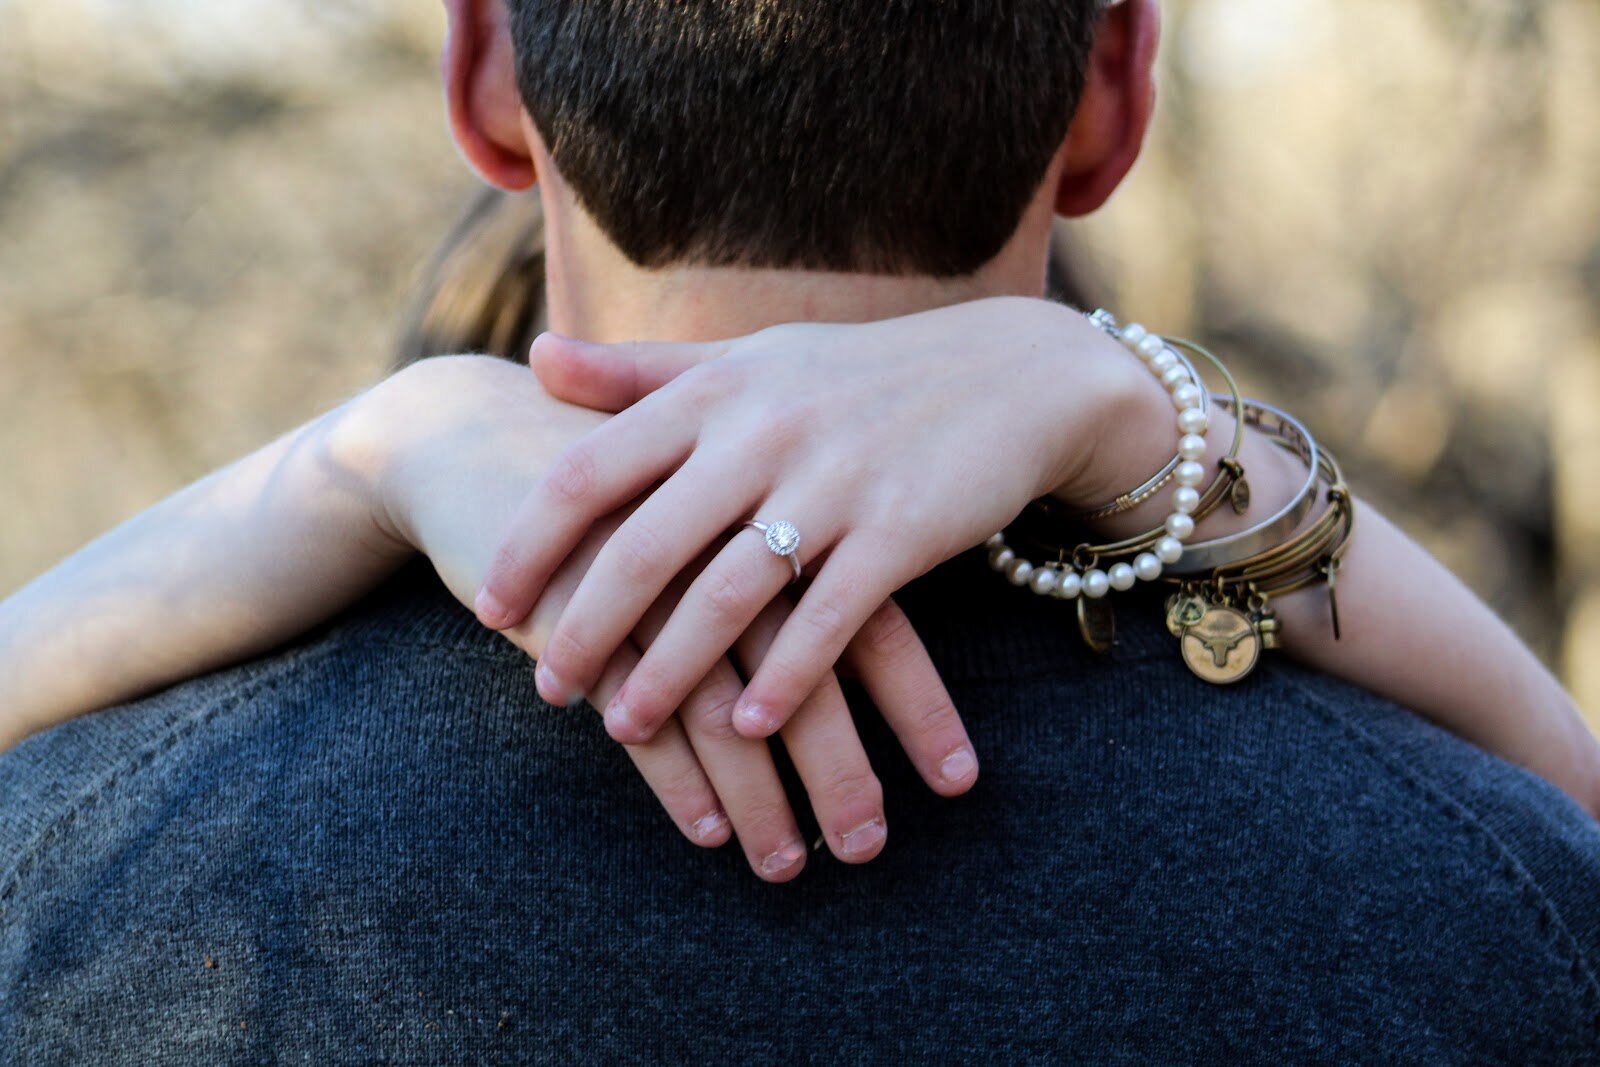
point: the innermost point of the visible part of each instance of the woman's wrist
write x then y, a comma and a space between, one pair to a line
1133, 435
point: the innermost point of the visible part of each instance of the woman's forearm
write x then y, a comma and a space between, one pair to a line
225, 569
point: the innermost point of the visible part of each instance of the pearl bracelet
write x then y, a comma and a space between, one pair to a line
1068, 580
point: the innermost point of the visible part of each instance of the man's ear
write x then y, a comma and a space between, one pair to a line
480, 88
1113, 114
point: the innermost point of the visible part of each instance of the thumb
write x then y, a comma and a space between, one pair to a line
610, 377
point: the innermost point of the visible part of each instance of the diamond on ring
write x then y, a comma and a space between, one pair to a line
783, 538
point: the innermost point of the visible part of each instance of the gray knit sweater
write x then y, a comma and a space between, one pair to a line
378, 847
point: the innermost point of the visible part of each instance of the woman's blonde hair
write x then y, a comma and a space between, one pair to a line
483, 291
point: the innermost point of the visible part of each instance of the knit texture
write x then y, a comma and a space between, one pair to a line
378, 847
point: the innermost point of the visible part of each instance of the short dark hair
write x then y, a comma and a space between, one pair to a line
878, 136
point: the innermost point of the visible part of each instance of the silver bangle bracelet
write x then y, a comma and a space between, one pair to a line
1221, 551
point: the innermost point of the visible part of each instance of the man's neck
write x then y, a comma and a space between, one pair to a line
595, 293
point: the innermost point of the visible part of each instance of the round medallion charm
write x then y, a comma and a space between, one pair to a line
783, 538
1223, 646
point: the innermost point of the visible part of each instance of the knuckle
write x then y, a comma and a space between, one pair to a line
888, 634
572, 478
707, 382
781, 686
728, 597
782, 428
930, 717
640, 554
709, 714
682, 789
854, 782
763, 816
824, 620
506, 566
570, 655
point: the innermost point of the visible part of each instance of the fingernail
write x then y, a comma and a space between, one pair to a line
783, 859
864, 838
552, 688
708, 826
958, 766
490, 609
755, 717
619, 719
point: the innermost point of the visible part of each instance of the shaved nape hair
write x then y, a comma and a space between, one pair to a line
872, 136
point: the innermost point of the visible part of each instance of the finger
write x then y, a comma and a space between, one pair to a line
594, 476
838, 603
721, 603
822, 741
743, 775
657, 542
739, 769
902, 681
668, 762
615, 376
671, 768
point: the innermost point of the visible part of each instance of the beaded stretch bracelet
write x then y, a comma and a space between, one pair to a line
1174, 370
1165, 545
1076, 572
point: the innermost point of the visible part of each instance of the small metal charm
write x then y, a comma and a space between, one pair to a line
1264, 619
1268, 628
1184, 610
1331, 569
1223, 647
1239, 495
1097, 622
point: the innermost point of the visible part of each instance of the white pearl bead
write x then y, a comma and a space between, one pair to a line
1180, 525
1122, 577
1096, 584
1192, 446
1133, 333
1019, 572
1043, 581
1193, 420
1151, 347
996, 540
1147, 566
1164, 361
1175, 378
1189, 473
1071, 585
1169, 550
1186, 396
1186, 500
1000, 558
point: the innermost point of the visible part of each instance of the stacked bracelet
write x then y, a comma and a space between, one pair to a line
1221, 613
1163, 547
1224, 620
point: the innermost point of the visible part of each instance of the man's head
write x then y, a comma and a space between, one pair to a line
863, 136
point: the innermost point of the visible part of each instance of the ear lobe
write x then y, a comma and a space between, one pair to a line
1113, 113
480, 86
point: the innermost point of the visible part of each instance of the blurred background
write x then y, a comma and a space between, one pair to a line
1385, 213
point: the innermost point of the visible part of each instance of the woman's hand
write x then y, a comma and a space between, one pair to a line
892, 446
463, 440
